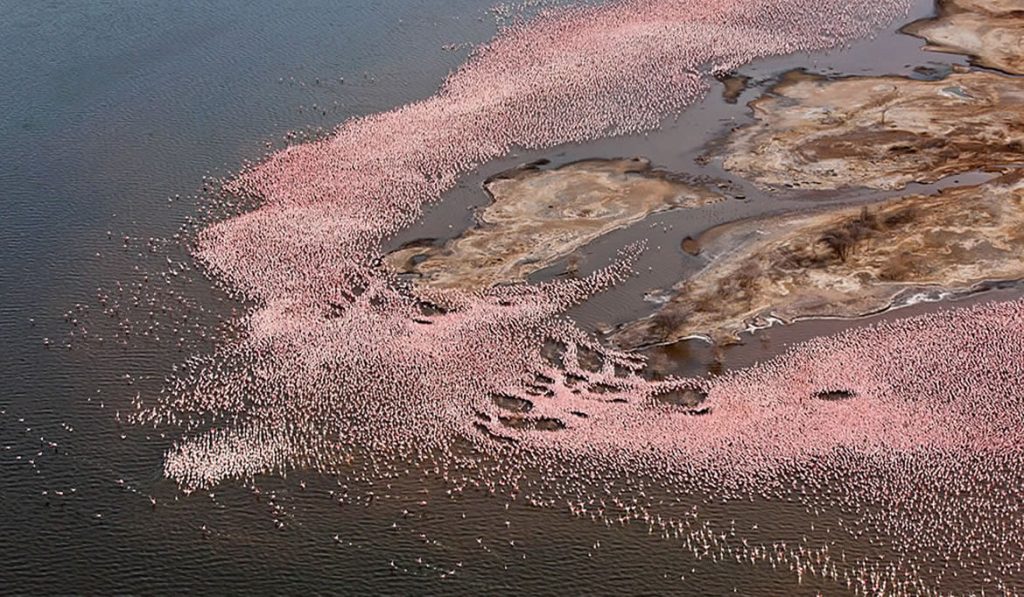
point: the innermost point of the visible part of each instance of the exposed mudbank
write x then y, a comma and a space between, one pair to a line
991, 31
879, 132
814, 132
539, 215
844, 263
733, 87
810, 132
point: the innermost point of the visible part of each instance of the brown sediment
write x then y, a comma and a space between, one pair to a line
538, 216
879, 132
535, 423
835, 394
512, 403
690, 246
990, 31
733, 86
844, 263
690, 398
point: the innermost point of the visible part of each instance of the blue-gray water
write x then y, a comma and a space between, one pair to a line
110, 110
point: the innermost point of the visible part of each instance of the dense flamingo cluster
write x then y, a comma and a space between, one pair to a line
912, 426
568, 76
342, 363
335, 340
948, 381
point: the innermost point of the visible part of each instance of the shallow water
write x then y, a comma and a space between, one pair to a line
113, 114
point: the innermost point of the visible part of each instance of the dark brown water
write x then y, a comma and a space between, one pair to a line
113, 114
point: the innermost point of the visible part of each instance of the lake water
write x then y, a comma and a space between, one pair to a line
113, 113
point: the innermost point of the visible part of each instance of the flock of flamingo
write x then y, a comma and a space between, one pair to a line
911, 427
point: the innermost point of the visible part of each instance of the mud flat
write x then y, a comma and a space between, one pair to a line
990, 31
539, 215
844, 263
813, 132
879, 132
882, 132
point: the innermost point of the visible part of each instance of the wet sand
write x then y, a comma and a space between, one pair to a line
538, 215
813, 132
991, 31
887, 133
844, 263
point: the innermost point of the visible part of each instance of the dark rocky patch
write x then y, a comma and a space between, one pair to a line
589, 360
685, 397
492, 435
512, 403
535, 424
835, 395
